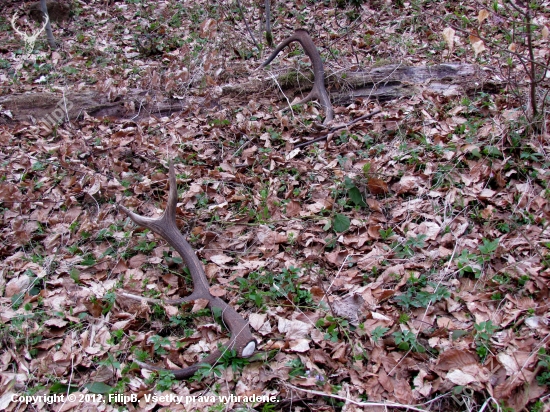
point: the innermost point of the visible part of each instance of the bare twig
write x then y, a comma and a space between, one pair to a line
247, 26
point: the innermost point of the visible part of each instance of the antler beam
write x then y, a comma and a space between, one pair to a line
318, 91
241, 338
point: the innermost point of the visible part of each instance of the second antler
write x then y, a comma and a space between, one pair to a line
165, 226
318, 91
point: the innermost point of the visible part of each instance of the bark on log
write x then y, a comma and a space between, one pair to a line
47, 107
381, 83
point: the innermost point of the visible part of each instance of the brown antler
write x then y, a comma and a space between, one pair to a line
318, 92
165, 226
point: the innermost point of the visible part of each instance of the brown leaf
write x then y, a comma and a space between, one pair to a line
217, 290
137, 261
483, 14
56, 322
337, 257
348, 308
340, 353
407, 184
374, 205
17, 285
377, 186
298, 345
455, 358
199, 304
448, 35
293, 208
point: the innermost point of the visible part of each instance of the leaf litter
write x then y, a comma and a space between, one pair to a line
403, 262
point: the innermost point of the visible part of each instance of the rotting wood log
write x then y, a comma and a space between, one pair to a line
318, 91
241, 339
385, 83
380, 83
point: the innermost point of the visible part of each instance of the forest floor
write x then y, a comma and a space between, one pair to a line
403, 263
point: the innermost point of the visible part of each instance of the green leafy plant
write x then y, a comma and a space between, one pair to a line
473, 263
409, 247
421, 293
483, 333
229, 359
406, 340
159, 342
378, 332
340, 223
543, 378
385, 234
334, 326
287, 284
165, 381
297, 368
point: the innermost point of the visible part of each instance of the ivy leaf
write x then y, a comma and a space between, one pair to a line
340, 223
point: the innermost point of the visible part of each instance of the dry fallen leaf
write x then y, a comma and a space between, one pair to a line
477, 45
299, 345
483, 14
377, 186
449, 37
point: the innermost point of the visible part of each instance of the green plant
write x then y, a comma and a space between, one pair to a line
334, 326
340, 223
354, 193
473, 263
256, 287
116, 336
297, 368
385, 234
543, 378
483, 333
109, 300
228, 359
421, 293
262, 213
261, 287
403, 318
159, 343
407, 249
183, 321
287, 284
378, 333
165, 381
110, 361
406, 340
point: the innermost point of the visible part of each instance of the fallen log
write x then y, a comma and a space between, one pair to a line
379, 83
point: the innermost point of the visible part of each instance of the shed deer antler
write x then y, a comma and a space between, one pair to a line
318, 91
241, 338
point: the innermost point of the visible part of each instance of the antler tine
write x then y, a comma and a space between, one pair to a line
318, 91
166, 227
